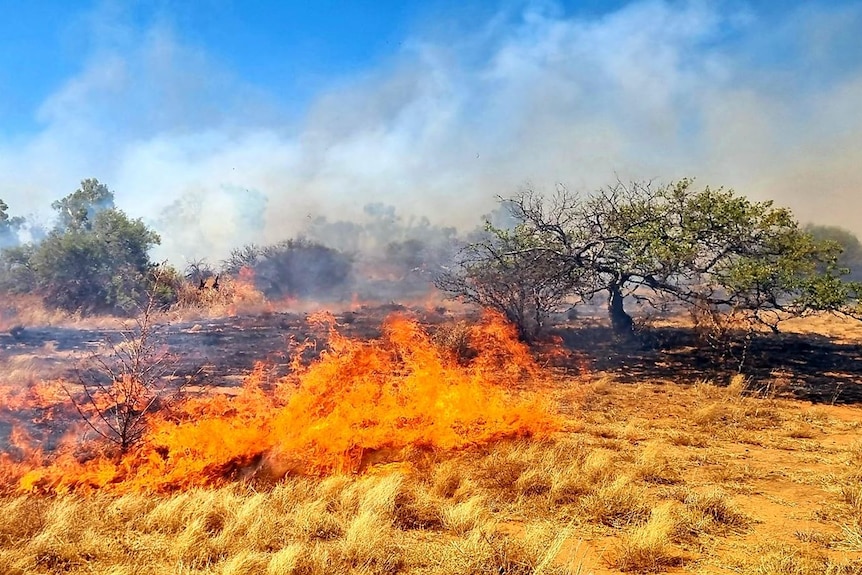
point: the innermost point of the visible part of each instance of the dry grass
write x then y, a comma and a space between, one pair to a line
649, 548
646, 478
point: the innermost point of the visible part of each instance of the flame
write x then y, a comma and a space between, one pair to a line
359, 398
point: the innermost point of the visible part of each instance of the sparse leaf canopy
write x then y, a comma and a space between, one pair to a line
78, 210
708, 247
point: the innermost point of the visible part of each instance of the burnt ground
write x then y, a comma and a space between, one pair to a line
220, 351
215, 351
805, 366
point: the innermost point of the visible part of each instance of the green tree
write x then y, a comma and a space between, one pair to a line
78, 210
708, 248
16, 270
99, 267
9, 226
851, 248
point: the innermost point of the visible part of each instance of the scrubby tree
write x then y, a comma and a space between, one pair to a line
9, 226
850, 257
125, 381
101, 267
509, 272
709, 248
95, 260
77, 211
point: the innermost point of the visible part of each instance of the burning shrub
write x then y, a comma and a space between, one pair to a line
220, 294
123, 388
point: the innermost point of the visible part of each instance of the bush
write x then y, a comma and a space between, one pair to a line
297, 268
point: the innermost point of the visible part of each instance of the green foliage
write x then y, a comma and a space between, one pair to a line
9, 226
78, 210
16, 272
101, 267
94, 261
850, 257
706, 248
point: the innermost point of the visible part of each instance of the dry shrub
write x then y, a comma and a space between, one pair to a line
502, 468
370, 543
688, 438
535, 481
600, 466
649, 548
372, 494
289, 559
195, 545
417, 508
851, 538
854, 465
313, 521
245, 562
465, 516
212, 509
446, 479
616, 504
28, 310
654, 466
23, 517
486, 549
233, 295
851, 494
711, 511
794, 560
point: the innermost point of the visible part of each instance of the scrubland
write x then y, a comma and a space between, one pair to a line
699, 478
642, 478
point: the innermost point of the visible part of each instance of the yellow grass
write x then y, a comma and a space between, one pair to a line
646, 478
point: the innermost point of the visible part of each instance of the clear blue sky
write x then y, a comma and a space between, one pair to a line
325, 106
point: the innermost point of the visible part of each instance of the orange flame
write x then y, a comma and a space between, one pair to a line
358, 398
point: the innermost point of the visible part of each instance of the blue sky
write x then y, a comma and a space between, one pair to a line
197, 112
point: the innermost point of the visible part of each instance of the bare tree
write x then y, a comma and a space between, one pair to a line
505, 272
128, 379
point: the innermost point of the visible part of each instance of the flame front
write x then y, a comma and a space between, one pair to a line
358, 398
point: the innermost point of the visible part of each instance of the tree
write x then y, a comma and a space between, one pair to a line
17, 275
851, 248
122, 385
99, 267
508, 272
706, 247
9, 226
78, 210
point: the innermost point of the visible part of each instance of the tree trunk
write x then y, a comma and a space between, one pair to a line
621, 322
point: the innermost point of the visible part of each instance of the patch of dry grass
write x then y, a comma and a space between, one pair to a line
664, 473
649, 548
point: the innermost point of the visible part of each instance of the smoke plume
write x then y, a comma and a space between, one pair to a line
764, 102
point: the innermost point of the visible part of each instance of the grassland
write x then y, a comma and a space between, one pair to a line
647, 477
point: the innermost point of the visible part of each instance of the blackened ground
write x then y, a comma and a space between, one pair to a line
220, 351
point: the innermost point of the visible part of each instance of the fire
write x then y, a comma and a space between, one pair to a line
357, 400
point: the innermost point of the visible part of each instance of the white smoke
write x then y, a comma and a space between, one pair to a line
766, 104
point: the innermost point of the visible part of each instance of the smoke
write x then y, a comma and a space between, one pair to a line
766, 103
